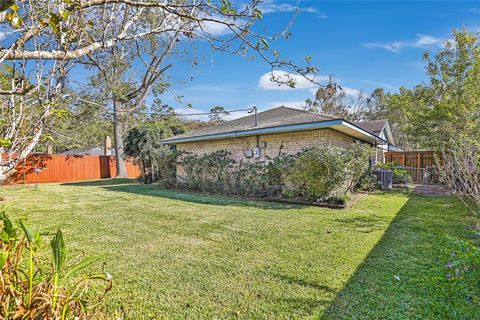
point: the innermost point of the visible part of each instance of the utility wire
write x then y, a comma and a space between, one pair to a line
187, 114
250, 110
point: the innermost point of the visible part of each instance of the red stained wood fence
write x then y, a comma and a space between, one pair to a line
62, 168
413, 159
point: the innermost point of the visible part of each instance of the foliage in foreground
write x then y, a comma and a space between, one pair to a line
461, 172
465, 256
34, 287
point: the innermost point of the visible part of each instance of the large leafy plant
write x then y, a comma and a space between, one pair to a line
34, 286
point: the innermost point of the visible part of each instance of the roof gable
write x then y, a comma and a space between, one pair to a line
378, 127
373, 126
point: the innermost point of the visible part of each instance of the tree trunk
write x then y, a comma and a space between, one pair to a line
118, 137
9, 159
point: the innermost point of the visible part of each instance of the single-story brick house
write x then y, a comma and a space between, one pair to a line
282, 129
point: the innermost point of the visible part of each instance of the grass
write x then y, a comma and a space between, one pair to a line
180, 255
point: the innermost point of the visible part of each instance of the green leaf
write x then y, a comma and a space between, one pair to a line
14, 19
3, 258
27, 231
54, 22
6, 4
5, 142
8, 231
58, 249
65, 14
83, 264
258, 14
264, 43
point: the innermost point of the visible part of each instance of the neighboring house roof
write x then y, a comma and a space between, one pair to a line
374, 126
97, 151
281, 119
379, 127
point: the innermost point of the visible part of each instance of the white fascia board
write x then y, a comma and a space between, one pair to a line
362, 131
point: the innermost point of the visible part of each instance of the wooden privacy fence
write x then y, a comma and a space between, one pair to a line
62, 168
412, 159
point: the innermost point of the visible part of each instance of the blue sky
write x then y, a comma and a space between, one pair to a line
363, 45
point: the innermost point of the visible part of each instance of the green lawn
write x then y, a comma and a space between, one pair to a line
178, 255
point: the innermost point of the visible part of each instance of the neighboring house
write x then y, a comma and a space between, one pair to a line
105, 150
382, 129
98, 151
279, 130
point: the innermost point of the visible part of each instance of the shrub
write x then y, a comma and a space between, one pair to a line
329, 172
209, 172
321, 173
368, 182
251, 178
158, 161
35, 287
400, 174
163, 160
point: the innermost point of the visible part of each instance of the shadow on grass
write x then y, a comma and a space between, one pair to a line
101, 182
364, 224
307, 283
155, 191
403, 276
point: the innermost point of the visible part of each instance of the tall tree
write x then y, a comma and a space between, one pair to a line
332, 100
447, 107
217, 114
42, 31
443, 114
329, 100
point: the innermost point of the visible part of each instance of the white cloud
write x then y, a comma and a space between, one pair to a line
426, 40
215, 28
380, 84
301, 83
271, 6
422, 41
351, 92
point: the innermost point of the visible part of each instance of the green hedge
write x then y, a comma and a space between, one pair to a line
322, 173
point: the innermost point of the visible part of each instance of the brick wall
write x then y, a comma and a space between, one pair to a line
270, 145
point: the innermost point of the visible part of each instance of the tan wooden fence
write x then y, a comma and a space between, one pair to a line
63, 168
412, 159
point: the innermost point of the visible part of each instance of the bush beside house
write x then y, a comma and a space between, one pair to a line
322, 174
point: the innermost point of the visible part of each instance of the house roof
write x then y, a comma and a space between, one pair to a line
97, 151
377, 127
373, 126
281, 119
270, 118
